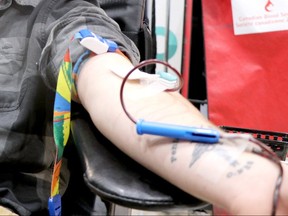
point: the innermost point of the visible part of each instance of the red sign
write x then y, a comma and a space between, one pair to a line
247, 75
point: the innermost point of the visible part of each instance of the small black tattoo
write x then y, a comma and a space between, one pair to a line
239, 169
174, 151
199, 150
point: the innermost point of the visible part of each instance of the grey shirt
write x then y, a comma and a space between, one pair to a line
34, 36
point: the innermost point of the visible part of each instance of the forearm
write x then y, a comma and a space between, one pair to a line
100, 95
197, 169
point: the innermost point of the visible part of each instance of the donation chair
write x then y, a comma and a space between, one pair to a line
120, 181
108, 174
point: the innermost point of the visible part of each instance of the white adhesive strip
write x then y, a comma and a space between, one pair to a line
152, 84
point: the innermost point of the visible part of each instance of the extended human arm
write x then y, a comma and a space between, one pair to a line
241, 186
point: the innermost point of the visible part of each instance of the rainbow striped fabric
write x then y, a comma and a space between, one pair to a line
62, 115
65, 92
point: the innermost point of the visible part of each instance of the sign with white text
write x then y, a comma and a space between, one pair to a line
259, 16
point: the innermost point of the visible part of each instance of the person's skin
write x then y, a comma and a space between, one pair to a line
243, 187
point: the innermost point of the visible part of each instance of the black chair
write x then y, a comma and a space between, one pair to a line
120, 181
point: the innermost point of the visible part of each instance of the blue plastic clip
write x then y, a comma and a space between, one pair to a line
95, 42
167, 76
202, 135
54, 205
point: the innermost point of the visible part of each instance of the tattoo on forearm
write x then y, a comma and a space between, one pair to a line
198, 152
174, 151
236, 167
239, 168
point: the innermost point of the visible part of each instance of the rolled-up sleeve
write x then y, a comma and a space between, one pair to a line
63, 21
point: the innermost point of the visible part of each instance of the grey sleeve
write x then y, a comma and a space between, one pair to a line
78, 15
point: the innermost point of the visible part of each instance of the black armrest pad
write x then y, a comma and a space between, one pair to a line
117, 178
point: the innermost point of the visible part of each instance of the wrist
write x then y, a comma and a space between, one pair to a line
255, 188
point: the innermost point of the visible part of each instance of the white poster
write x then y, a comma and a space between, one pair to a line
169, 31
258, 16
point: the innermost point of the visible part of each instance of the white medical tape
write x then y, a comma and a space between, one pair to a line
152, 84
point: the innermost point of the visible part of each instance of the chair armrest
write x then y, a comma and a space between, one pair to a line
117, 178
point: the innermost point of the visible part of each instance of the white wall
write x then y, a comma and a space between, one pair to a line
169, 18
